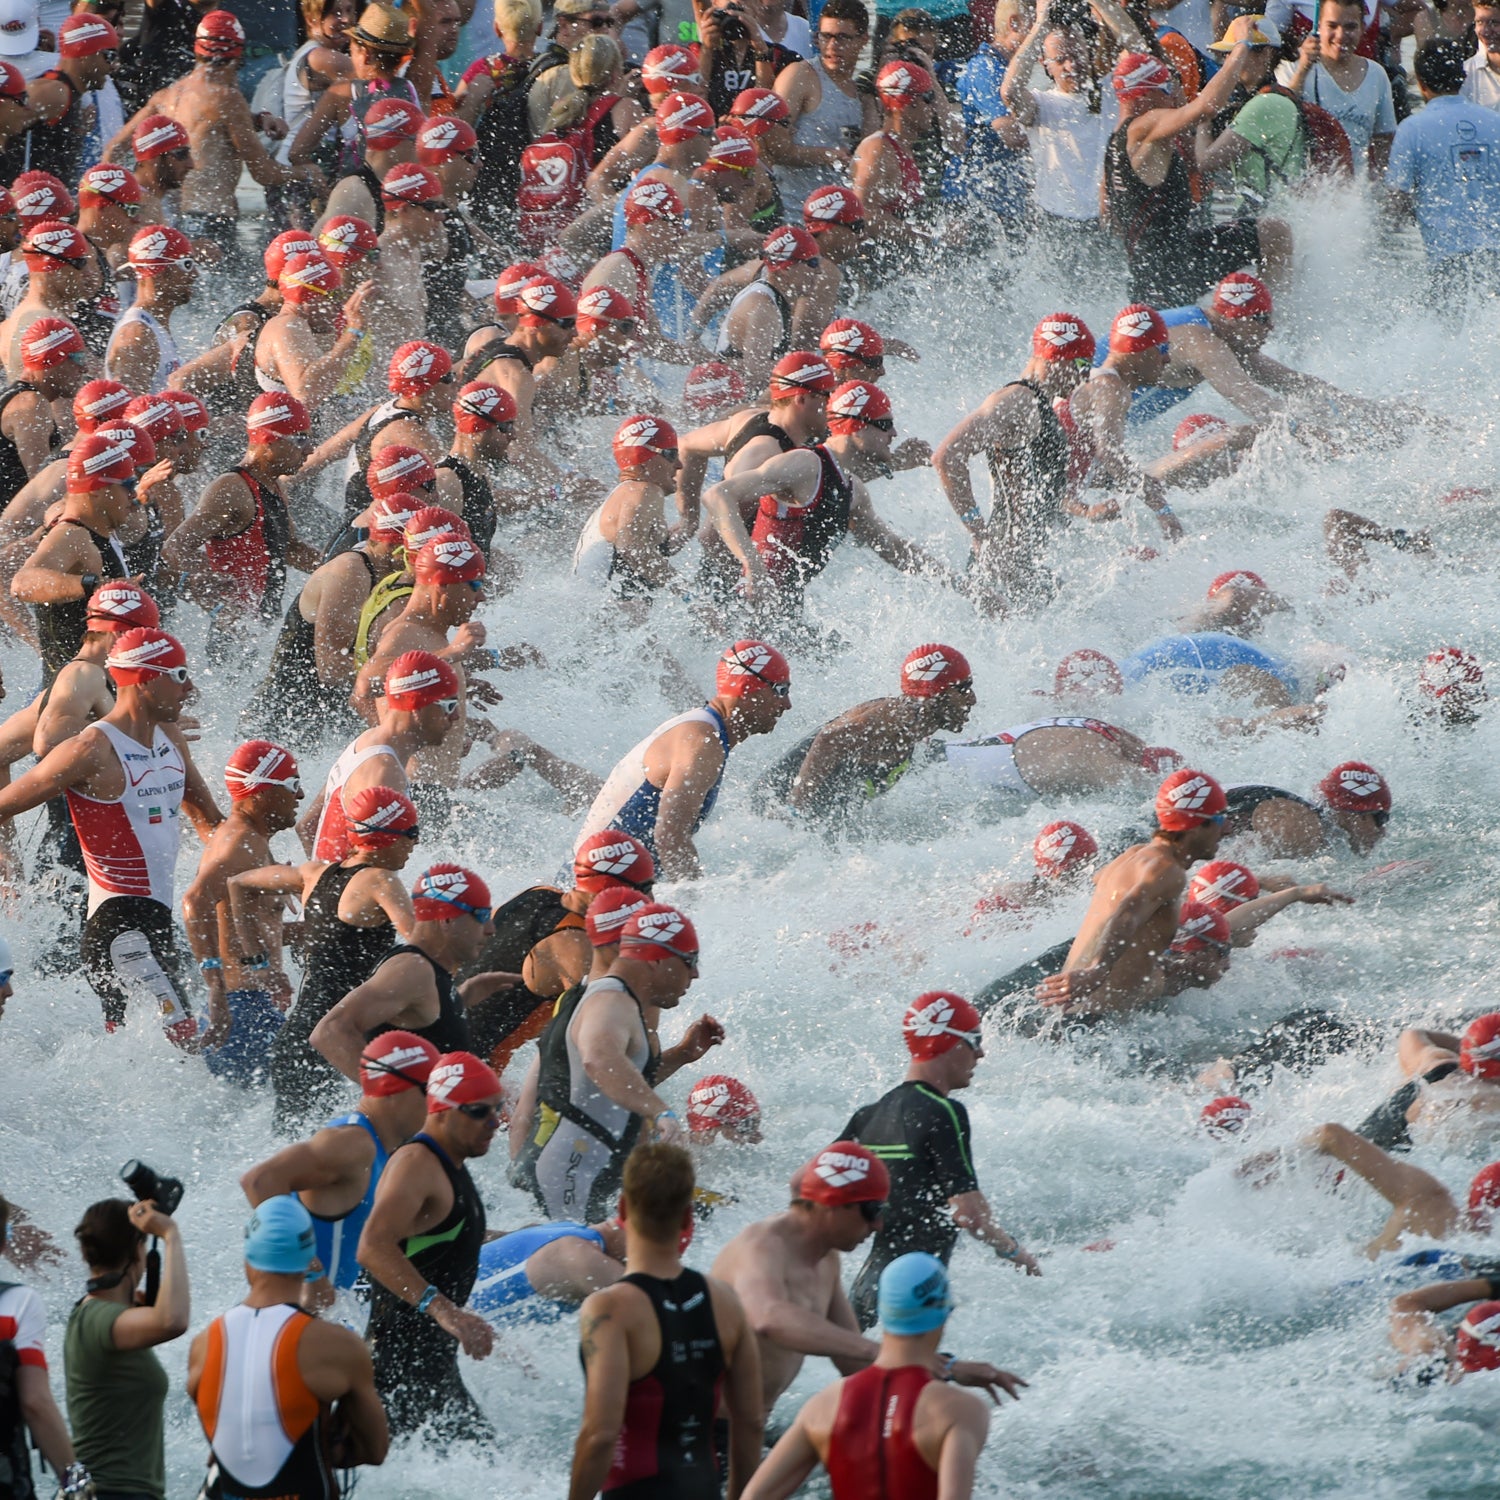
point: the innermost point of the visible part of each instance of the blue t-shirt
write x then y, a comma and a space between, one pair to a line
989, 171
1447, 156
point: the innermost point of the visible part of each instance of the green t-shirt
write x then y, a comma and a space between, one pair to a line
115, 1402
1273, 125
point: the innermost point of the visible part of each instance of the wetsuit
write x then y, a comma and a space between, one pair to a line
13, 475
251, 563
1246, 798
265, 1426
444, 281
478, 501
665, 1450
629, 801
1019, 986
242, 387
796, 542
292, 699
1029, 485
504, 1290
56, 146
449, 1031
1301, 1041
416, 1362
338, 1239
336, 957
872, 1454
504, 1022
923, 1138
582, 1136
760, 425
357, 496
850, 786
1387, 1125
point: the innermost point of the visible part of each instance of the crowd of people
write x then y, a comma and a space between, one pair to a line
652, 224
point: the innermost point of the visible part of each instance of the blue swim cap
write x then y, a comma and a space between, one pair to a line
914, 1294
279, 1237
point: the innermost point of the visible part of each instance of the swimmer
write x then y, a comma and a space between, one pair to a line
921, 1135
1447, 1077
142, 353
1059, 758
624, 546
1237, 603
313, 342
540, 1272
662, 791
1232, 890
1450, 688
852, 759
1351, 806
1345, 534
1208, 661
1430, 1353
1114, 965
1063, 852
721, 1108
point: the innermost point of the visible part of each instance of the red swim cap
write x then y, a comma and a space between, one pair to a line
377, 816
847, 343
1138, 75
481, 406
445, 892
96, 462
308, 277
787, 246
641, 438
932, 668
652, 202
136, 443
1187, 798
113, 184
1355, 787
98, 401
1192, 429
275, 414
40, 196
346, 239
1484, 1190
157, 417
657, 932
49, 342
509, 283
937, 1021
800, 371
747, 666
609, 911
460, 1078
417, 367
389, 516
1241, 295
389, 121
120, 607
410, 183
603, 304
288, 243
1450, 671
397, 468
1087, 671
612, 858
258, 765
831, 205
219, 35
545, 299
428, 524
899, 82
718, 1101
713, 385
158, 247
758, 110
1199, 927
394, 1062
143, 653
1062, 846
159, 135
732, 151
1159, 759
1241, 578
418, 679
1479, 1051
190, 408
856, 404
842, 1174
681, 117
83, 35
447, 560
1221, 885
668, 67
50, 243
1137, 329
1225, 1116
1062, 335
442, 138
1477, 1342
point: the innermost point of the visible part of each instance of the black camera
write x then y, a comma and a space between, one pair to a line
143, 1181
731, 24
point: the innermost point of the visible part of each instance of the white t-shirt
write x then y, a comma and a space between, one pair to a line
1368, 111
798, 37
23, 1322
1067, 146
1481, 82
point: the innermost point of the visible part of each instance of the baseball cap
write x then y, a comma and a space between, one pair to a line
1187, 798
913, 1295
841, 1174
257, 765
159, 135
444, 892
1355, 787
379, 816
936, 1022
1259, 33
747, 666
394, 1062
279, 1237
1062, 335
418, 679
610, 857
20, 27
930, 669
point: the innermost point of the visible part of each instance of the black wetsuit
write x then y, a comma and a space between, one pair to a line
844, 792
336, 957
444, 281
923, 1139
1019, 987
1387, 1125
291, 699
1024, 523
242, 387
416, 1362
13, 475
1243, 801
665, 1450
57, 145
760, 425
479, 502
450, 1031
60, 627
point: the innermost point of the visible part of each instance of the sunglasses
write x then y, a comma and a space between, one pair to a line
177, 674
110, 55
871, 1212
1216, 821
597, 23
448, 705
479, 1111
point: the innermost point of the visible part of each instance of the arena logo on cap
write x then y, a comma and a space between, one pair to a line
1149, 71
838, 1169
442, 1081
104, 180
47, 342
850, 403
748, 661
153, 247
1059, 332
339, 234
927, 668
102, 460
825, 205
53, 241
37, 199
1360, 783
440, 136
596, 304
268, 417
1057, 845
414, 682
637, 434
1190, 795
481, 402
143, 654
898, 82
782, 245
1238, 292
168, 132
116, 601
710, 1099
651, 195
659, 926
418, 362
454, 551
1225, 887
394, 187
1135, 325
408, 463
612, 859
845, 340
540, 296
933, 1020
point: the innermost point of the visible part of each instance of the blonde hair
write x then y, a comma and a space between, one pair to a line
591, 66
1006, 9
518, 19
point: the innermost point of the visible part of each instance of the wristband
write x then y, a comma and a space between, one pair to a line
90, 582
210, 965
1013, 1253
254, 961
973, 516
1165, 510
949, 1360
428, 1298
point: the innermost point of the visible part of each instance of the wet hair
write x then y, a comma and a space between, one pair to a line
521, 19
853, 11
1440, 66
591, 65
658, 1185
105, 1235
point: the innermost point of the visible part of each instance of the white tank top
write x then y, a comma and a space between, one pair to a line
332, 840
837, 121
296, 98
583, 1093
594, 556
130, 844
168, 361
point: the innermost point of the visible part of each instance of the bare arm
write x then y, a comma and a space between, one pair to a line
742, 1392
322, 1162
1399, 1183
43, 1419
1421, 1050
168, 1317
785, 1468
1415, 1330
693, 771
1214, 360
1015, 91
773, 1316
605, 1032
971, 1212
388, 993
606, 1371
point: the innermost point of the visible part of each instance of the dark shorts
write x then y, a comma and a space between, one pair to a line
129, 952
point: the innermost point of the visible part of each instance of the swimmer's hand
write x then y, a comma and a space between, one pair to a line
1171, 527
484, 693
469, 636
479, 987
702, 1035
1027, 1262
522, 654
1062, 989
987, 1378
189, 727
914, 453
475, 1337
756, 582
1323, 895
317, 1295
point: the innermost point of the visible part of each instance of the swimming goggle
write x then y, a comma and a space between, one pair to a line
481, 914
448, 705
6, 974
871, 1212
177, 674
479, 1111
781, 689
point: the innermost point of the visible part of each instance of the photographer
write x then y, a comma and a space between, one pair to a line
734, 57
117, 1388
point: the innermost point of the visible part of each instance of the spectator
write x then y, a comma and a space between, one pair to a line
117, 1388
23, 1333
1482, 71
1330, 73
947, 26
993, 169
22, 43
734, 57
1069, 126
318, 62
576, 19
1445, 167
